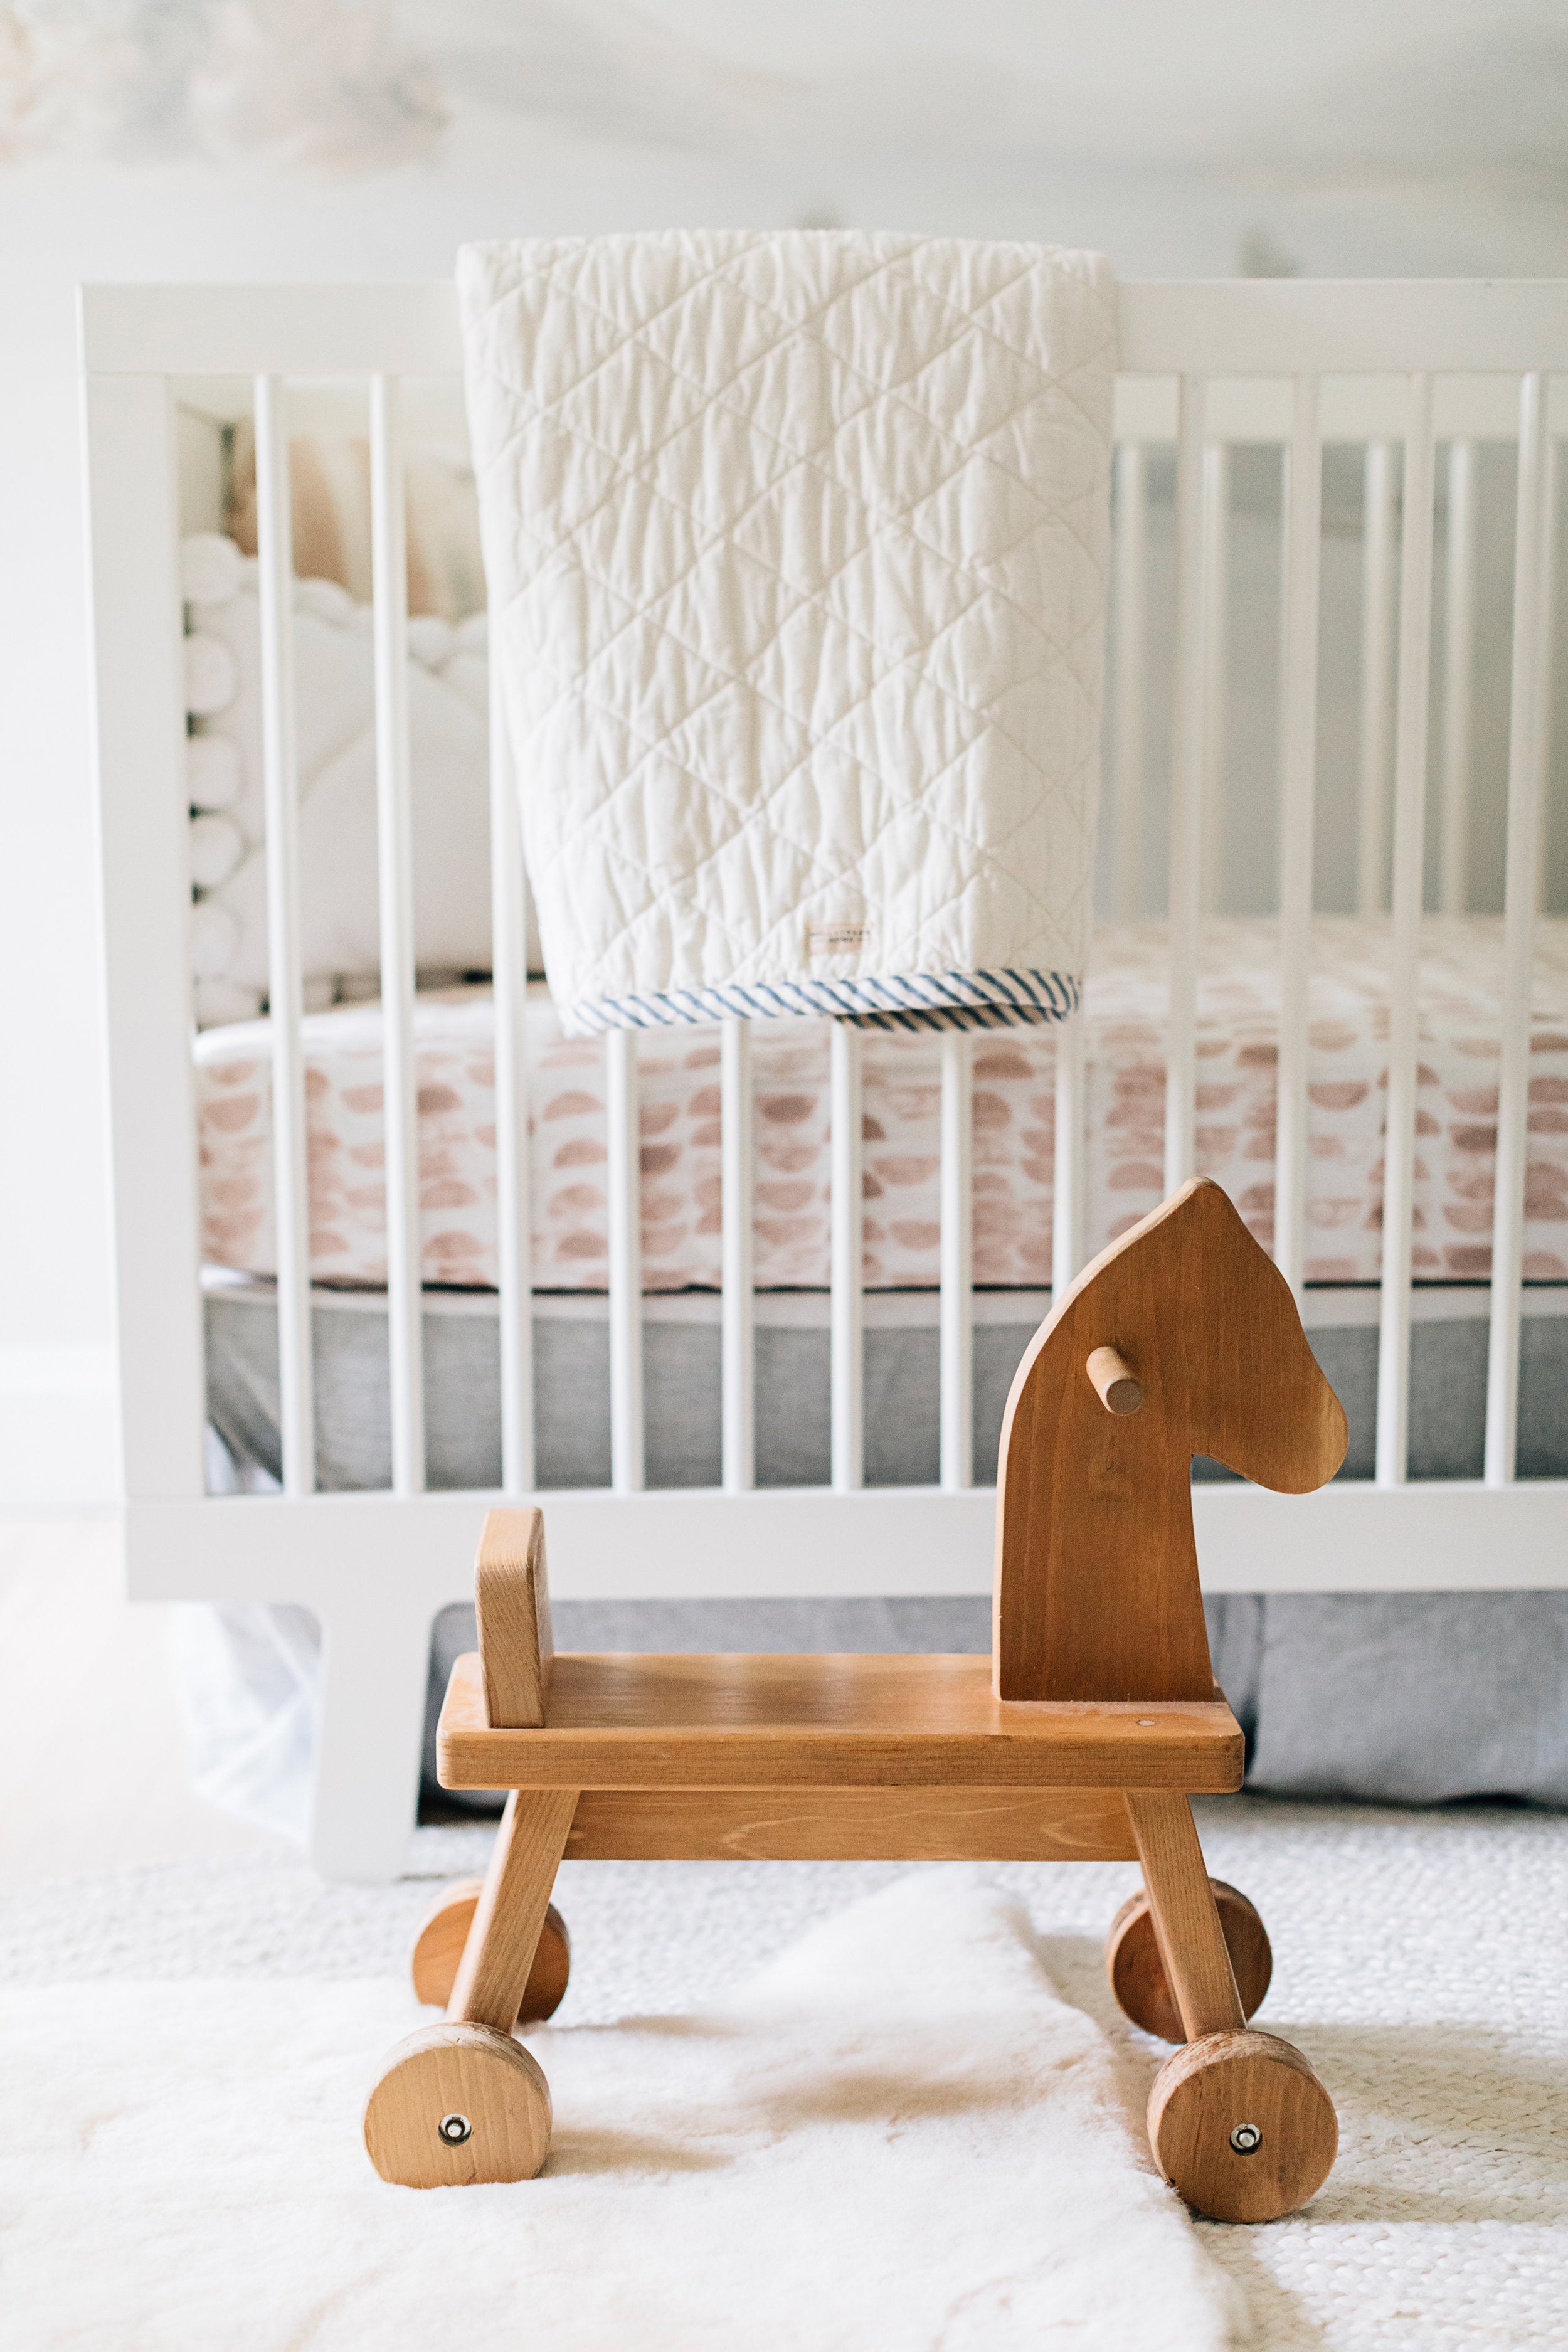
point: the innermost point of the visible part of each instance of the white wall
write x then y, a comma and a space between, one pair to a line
1103, 127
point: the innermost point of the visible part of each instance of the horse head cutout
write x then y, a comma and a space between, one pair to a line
1197, 1347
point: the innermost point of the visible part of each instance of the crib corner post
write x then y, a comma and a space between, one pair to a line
370, 1731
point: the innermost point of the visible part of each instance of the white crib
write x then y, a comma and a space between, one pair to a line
1205, 366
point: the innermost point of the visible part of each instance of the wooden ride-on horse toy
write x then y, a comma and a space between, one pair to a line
1099, 1720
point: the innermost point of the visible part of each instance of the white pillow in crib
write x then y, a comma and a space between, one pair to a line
334, 707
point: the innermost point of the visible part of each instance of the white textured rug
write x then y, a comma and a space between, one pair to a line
896, 2135
1418, 1962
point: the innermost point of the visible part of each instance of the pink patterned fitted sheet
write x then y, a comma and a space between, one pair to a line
1013, 1125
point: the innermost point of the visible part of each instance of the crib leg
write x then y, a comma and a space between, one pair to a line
1238, 2122
370, 1728
465, 2102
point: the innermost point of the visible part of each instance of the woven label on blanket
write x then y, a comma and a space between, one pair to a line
797, 547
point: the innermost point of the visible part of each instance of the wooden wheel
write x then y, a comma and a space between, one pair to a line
1137, 1973
438, 1947
456, 2104
1240, 2125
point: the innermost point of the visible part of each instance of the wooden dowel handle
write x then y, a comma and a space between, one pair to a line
1114, 1384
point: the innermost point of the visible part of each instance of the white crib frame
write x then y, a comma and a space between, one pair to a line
1204, 365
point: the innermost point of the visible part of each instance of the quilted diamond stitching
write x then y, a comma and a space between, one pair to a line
809, 457
606, 824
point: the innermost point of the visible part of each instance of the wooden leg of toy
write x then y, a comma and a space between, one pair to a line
437, 1950
1187, 1924
464, 2102
498, 1956
1238, 2122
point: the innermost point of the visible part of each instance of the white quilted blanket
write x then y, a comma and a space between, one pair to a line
797, 547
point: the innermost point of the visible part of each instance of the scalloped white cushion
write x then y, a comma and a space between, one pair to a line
211, 677
218, 849
214, 775
219, 1002
215, 939
210, 568
335, 700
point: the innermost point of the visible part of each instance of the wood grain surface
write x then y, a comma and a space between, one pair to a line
511, 1602
437, 1951
1193, 1950
1114, 1382
438, 1941
1137, 1973
1097, 1593
498, 1956
631, 1720
1254, 2083
850, 1825
490, 2081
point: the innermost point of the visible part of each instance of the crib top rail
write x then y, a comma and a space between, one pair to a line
1219, 327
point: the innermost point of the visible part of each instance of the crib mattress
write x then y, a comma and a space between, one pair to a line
1125, 1013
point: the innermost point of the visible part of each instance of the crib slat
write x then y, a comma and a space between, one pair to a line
514, 1222
1298, 787
1409, 857
1216, 635
1129, 591
957, 1262
1525, 774
848, 1210
1377, 577
394, 856
280, 786
1458, 677
1070, 1156
624, 1173
738, 1166
1186, 786
1545, 692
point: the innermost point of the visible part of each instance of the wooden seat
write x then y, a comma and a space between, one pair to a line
795, 1758
634, 1720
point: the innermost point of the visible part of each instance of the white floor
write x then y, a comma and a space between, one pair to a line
1418, 1962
